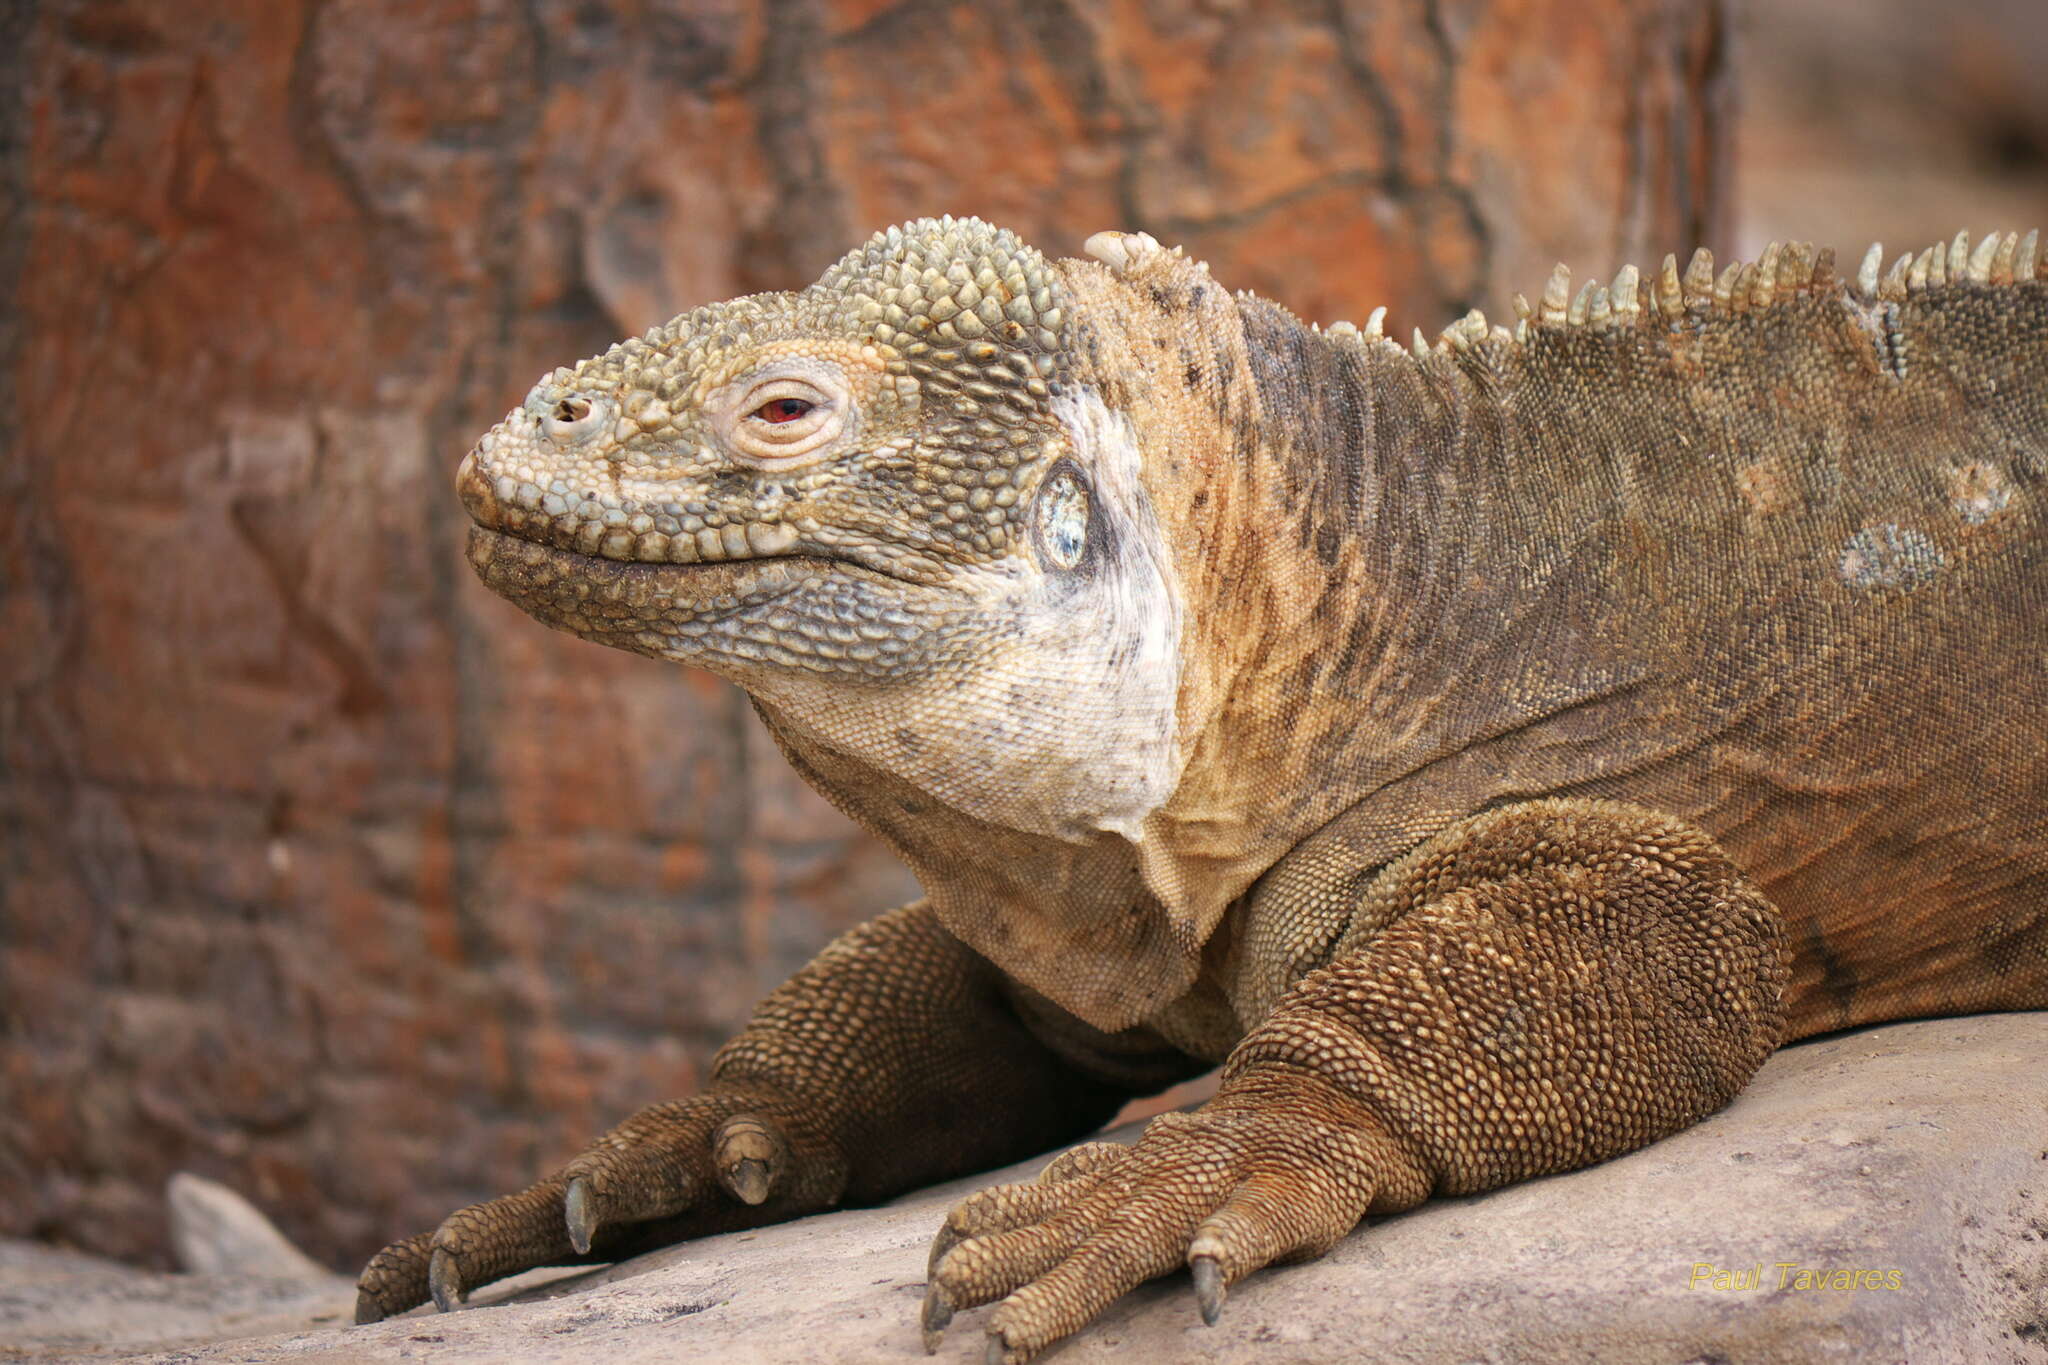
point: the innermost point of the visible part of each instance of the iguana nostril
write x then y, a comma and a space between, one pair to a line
575, 418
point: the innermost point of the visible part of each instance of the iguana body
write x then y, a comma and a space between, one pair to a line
1461, 745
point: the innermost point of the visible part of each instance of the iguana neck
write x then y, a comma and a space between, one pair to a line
1304, 488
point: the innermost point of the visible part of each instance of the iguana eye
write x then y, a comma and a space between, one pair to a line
782, 410
790, 414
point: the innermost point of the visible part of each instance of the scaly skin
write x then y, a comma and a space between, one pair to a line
1487, 754
803, 1112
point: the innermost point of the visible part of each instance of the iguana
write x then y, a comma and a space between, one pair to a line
1486, 752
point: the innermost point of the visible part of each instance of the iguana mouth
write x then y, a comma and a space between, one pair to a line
660, 540
505, 559
622, 534
784, 612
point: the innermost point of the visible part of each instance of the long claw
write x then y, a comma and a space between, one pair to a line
1209, 1287
444, 1280
579, 1211
937, 1312
749, 1180
749, 1153
998, 1352
368, 1308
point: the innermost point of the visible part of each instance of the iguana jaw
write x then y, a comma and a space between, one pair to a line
715, 615
757, 596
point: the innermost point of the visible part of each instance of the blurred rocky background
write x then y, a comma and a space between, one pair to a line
328, 875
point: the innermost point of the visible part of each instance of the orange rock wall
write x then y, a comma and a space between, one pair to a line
323, 872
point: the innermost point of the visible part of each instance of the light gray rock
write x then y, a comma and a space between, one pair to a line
61, 1305
215, 1231
1915, 1151
243, 1279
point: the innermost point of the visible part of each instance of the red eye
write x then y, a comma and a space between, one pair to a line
783, 409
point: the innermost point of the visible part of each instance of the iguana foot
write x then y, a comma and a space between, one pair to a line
1278, 1168
709, 1164
1536, 988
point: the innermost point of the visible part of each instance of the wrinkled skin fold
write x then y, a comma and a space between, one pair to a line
1485, 755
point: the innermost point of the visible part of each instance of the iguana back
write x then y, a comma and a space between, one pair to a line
1772, 558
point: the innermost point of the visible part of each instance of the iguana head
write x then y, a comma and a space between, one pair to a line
882, 506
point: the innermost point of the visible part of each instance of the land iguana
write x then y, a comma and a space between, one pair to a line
1486, 752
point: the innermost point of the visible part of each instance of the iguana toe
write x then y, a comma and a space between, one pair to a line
984, 1269
394, 1280
750, 1155
473, 1246
1003, 1207
1086, 1160
633, 1180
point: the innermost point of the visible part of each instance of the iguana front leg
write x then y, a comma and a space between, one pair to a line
1542, 987
897, 1058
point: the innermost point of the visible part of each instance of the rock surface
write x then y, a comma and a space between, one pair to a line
1920, 1149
